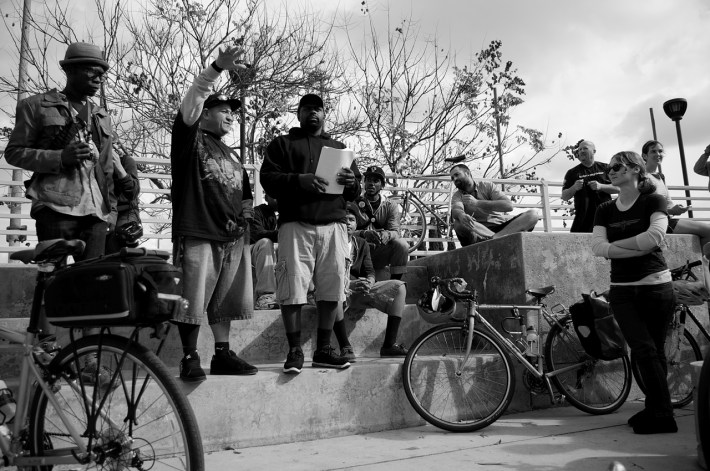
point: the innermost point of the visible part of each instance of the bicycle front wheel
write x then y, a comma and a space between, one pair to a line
137, 418
591, 385
412, 222
680, 352
455, 396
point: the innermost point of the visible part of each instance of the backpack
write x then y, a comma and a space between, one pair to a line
598, 331
134, 287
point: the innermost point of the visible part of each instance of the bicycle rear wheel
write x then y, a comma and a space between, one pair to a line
680, 352
412, 222
137, 418
593, 386
455, 397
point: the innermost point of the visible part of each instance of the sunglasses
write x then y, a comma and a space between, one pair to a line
616, 167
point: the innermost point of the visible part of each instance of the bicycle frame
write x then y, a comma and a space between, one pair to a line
537, 370
448, 222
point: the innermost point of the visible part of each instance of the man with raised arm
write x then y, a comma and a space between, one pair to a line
589, 184
313, 237
212, 201
477, 210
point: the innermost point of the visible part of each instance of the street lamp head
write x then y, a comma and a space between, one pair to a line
675, 108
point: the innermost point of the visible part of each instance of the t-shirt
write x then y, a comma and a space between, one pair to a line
484, 191
209, 184
586, 200
632, 222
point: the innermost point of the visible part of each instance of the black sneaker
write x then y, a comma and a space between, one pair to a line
190, 369
325, 357
294, 362
348, 353
396, 350
228, 363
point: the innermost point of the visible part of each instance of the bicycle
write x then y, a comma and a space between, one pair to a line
413, 225
681, 347
102, 402
459, 375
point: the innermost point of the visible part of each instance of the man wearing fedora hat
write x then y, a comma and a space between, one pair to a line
212, 202
66, 141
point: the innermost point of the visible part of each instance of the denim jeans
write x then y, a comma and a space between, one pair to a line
395, 253
92, 230
644, 313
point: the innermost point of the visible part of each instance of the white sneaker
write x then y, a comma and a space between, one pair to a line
266, 301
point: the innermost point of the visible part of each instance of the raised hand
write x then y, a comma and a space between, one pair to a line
231, 58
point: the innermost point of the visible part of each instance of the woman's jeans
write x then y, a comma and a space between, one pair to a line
644, 313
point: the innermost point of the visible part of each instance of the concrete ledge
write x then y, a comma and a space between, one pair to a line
272, 407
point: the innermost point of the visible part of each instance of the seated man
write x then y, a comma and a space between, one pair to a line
264, 236
364, 292
477, 210
381, 230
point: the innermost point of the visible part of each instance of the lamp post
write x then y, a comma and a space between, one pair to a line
675, 109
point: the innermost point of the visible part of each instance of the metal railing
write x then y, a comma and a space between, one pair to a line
541, 195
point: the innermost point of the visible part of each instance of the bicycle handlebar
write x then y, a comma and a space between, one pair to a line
454, 288
678, 272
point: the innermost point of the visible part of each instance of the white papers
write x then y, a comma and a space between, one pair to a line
330, 163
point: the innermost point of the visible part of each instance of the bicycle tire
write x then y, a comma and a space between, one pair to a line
702, 409
596, 387
412, 222
163, 434
679, 375
467, 402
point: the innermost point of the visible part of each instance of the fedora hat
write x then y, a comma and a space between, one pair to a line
84, 53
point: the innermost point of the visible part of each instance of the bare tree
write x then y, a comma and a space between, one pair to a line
420, 108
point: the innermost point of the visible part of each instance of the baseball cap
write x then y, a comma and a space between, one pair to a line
84, 53
217, 98
310, 99
375, 170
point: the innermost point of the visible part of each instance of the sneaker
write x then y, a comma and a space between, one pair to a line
396, 350
294, 362
266, 301
325, 357
91, 375
348, 353
228, 363
190, 369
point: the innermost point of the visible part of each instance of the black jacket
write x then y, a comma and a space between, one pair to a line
264, 224
298, 153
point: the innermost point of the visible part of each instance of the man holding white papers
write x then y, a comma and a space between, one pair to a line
313, 240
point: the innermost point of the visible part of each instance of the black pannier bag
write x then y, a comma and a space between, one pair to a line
598, 331
134, 287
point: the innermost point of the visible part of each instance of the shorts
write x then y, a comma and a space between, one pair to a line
380, 296
311, 252
210, 281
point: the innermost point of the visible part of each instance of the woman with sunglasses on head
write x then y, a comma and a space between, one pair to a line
653, 153
630, 231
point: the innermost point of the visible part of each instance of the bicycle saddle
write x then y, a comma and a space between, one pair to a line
540, 293
50, 249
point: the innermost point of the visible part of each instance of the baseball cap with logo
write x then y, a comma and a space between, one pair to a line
219, 98
375, 170
84, 53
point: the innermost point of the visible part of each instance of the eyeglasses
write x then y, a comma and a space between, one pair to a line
616, 167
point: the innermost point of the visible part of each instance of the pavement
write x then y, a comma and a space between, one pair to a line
560, 438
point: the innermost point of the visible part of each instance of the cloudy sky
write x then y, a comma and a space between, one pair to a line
593, 68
